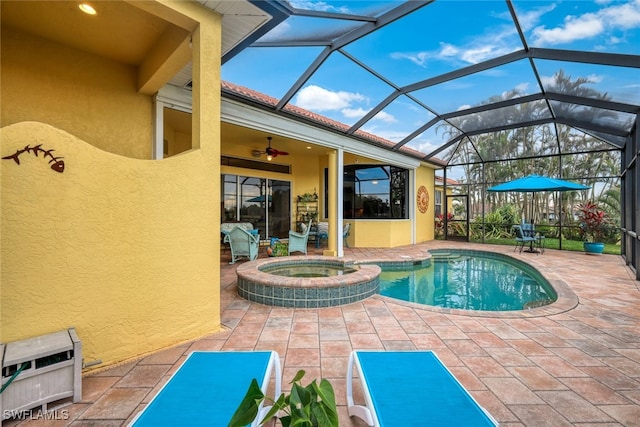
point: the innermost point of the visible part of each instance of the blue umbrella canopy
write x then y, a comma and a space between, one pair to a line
535, 183
258, 199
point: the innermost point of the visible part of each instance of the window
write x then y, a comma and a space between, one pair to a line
375, 192
437, 204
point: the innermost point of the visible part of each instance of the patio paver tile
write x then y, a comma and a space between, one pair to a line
573, 407
579, 367
627, 415
594, 391
510, 391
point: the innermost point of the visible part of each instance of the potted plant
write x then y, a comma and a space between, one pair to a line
277, 248
594, 225
308, 197
310, 406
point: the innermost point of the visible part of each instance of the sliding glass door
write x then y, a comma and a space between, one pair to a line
265, 203
279, 208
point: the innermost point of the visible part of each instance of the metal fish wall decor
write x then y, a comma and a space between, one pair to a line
57, 164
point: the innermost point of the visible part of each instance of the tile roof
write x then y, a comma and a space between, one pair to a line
250, 94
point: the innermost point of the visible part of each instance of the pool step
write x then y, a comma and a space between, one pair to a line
445, 256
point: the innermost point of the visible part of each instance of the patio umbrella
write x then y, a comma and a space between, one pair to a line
258, 199
537, 183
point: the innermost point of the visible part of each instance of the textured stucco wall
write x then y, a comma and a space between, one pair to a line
120, 248
124, 249
425, 222
88, 96
379, 233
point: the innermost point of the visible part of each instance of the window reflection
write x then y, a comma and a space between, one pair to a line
375, 191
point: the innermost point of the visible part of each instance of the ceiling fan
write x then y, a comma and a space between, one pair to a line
270, 152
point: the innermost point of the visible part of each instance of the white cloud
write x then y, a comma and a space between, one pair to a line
419, 58
595, 78
463, 107
354, 113
357, 113
496, 42
278, 32
316, 98
425, 147
482, 53
575, 28
548, 81
385, 117
522, 87
622, 16
318, 5
386, 133
588, 25
447, 49
531, 18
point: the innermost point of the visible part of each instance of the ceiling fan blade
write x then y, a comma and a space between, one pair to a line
279, 153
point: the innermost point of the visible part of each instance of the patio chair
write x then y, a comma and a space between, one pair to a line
298, 241
345, 233
208, 387
243, 243
322, 233
523, 239
409, 389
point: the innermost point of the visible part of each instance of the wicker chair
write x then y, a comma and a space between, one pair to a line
345, 233
243, 244
298, 241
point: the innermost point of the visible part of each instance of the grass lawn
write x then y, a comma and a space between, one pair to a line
567, 245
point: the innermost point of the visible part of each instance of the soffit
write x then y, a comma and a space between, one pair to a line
120, 31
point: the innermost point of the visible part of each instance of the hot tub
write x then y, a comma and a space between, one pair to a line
306, 282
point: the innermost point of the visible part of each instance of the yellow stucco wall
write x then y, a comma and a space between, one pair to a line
120, 247
88, 96
112, 246
379, 233
425, 222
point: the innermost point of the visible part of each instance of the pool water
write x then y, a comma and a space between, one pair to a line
470, 281
310, 270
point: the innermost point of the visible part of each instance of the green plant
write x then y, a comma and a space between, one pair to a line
308, 197
278, 248
310, 406
594, 222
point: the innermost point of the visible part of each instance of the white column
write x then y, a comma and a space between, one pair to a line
339, 200
157, 150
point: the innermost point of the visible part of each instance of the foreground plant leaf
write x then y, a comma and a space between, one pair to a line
248, 409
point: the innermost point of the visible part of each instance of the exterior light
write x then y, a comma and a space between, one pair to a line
374, 182
87, 8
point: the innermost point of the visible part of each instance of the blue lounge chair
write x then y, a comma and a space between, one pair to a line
411, 388
208, 387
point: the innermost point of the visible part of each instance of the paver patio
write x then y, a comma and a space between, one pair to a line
578, 367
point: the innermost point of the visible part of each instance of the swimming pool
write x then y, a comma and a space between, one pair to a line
469, 280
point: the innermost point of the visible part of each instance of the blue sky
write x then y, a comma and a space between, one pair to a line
439, 38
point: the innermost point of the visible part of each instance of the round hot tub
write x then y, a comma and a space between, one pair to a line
306, 282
